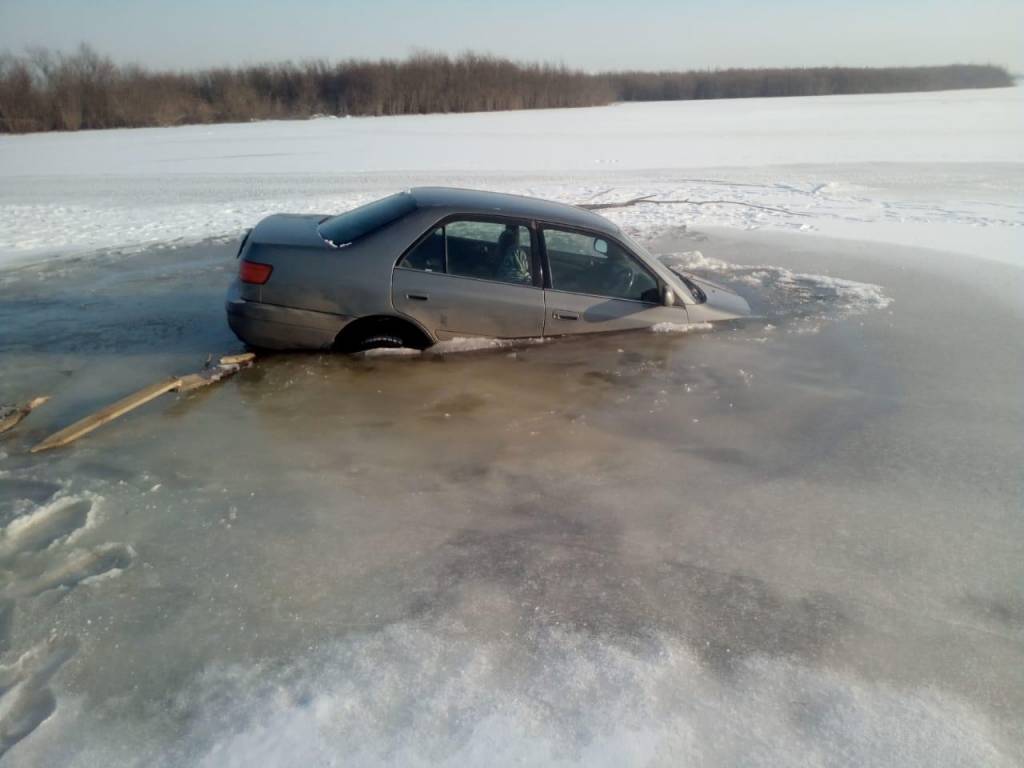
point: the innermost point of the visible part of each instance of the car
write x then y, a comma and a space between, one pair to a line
435, 263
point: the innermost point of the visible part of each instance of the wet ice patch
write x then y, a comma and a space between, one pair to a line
61, 520
26, 700
37, 555
781, 294
18, 493
77, 567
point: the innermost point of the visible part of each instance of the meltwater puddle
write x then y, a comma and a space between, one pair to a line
795, 301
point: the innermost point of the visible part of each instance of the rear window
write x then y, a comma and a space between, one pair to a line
348, 227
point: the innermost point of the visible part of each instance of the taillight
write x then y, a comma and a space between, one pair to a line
254, 272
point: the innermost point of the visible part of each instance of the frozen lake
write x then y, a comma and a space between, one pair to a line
797, 540
942, 170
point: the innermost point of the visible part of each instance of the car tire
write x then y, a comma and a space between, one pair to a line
380, 341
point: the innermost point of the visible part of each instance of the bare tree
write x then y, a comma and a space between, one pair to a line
44, 90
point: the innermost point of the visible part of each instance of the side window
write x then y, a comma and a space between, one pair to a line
582, 263
489, 250
428, 255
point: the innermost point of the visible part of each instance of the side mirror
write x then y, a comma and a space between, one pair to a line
601, 246
668, 297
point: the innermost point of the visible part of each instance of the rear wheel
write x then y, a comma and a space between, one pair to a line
380, 341
380, 333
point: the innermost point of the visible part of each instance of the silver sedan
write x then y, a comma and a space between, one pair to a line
436, 263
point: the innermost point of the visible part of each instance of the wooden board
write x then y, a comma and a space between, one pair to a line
228, 366
111, 412
15, 415
241, 359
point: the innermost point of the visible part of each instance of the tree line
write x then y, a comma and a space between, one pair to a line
817, 81
44, 90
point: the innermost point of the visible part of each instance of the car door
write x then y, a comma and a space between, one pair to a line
596, 285
472, 277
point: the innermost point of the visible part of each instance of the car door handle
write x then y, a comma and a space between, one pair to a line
563, 315
417, 296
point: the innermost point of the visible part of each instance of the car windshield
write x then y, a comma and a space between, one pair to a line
350, 226
637, 248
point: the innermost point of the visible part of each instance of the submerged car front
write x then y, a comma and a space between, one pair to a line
705, 301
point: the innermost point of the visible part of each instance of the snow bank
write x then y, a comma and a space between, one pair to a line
80, 192
951, 126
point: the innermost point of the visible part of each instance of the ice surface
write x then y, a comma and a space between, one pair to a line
680, 327
46, 525
794, 540
804, 299
938, 170
748, 545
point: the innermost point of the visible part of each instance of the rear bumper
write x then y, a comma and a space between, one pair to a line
269, 326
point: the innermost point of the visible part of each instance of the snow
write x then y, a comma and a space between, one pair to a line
786, 541
394, 720
784, 291
793, 540
951, 126
680, 327
883, 167
61, 521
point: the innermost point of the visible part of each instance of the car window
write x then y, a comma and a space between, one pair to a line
342, 230
582, 263
573, 243
488, 250
428, 254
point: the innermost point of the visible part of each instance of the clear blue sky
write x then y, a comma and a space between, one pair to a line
589, 34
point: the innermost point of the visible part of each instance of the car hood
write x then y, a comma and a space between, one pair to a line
725, 302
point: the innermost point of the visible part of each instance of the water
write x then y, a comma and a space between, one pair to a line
796, 540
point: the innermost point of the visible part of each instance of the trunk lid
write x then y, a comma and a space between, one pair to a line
291, 229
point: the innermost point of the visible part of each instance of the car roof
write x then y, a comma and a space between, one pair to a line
475, 201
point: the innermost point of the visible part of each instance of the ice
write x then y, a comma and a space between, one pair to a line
928, 170
780, 292
388, 352
680, 327
63, 519
459, 344
381, 703
791, 540
477, 344
749, 544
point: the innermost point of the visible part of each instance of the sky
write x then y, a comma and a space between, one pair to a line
586, 34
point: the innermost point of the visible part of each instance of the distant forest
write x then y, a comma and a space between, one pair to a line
49, 91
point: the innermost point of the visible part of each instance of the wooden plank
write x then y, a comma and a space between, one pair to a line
240, 359
111, 412
9, 417
206, 378
196, 381
228, 366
